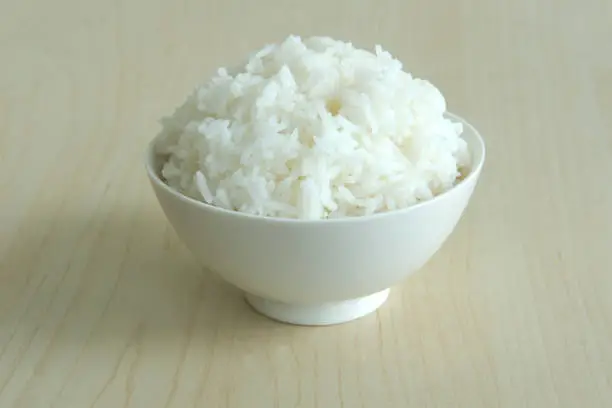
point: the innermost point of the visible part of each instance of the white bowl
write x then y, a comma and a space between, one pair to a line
317, 272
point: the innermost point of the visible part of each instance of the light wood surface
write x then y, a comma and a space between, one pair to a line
101, 306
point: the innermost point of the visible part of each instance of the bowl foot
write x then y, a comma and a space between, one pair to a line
318, 314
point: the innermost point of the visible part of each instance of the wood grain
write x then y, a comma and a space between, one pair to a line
101, 306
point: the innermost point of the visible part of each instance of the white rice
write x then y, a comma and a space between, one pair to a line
313, 128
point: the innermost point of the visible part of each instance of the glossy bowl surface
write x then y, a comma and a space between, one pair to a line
323, 271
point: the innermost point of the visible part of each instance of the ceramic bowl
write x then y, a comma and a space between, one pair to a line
317, 272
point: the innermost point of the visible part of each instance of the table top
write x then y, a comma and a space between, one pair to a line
102, 306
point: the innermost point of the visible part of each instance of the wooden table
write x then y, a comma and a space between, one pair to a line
101, 306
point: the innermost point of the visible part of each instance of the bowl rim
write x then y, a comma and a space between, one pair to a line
473, 174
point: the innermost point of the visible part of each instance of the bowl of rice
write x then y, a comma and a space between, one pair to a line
314, 177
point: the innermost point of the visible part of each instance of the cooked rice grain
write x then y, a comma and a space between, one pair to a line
313, 128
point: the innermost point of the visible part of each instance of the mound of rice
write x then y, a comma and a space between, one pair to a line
313, 128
